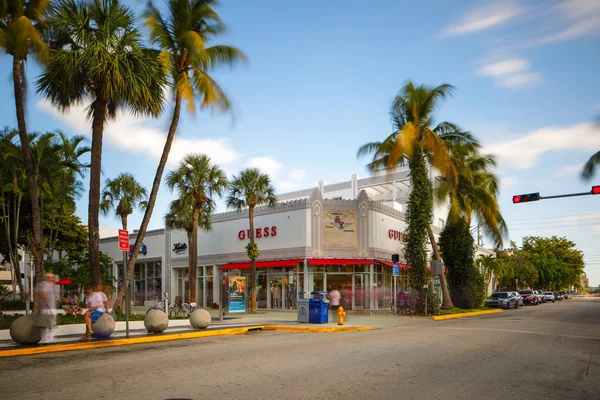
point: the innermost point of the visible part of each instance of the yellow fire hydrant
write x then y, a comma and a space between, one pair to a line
341, 315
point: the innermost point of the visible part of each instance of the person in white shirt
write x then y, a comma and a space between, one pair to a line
47, 309
96, 302
334, 299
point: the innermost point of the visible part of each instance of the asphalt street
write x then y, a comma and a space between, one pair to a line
550, 351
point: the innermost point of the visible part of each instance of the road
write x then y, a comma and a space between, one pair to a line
551, 351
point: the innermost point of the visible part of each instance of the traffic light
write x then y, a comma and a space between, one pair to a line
596, 189
524, 198
395, 258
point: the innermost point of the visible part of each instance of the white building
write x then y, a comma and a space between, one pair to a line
338, 236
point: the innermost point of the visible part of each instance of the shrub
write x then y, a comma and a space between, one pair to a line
465, 282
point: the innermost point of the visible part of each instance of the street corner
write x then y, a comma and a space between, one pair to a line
467, 314
316, 329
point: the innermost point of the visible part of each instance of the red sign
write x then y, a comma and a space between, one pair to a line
258, 232
123, 240
396, 235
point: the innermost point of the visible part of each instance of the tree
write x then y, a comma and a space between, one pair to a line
589, 169
123, 194
100, 51
182, 35
465, 282
250, 189
180, 216
491, 266
475, 191
415, 143
20, 25
196, 181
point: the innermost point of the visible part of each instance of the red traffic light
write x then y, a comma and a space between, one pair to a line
596, 189
516, 199
524, 198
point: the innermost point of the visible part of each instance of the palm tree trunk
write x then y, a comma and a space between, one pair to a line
194, 261
12, 252
124, 221
446, 300
190, 237
37, 245
253, 301
153, 194
94, 195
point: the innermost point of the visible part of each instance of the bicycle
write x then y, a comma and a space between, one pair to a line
160, 304
180, 309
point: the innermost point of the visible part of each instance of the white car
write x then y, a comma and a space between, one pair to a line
519, 298
549, 296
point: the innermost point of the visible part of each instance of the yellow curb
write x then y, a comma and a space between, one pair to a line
26, 351
124, 342
285, 328
468, 314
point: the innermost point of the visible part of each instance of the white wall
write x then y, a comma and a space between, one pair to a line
380, 225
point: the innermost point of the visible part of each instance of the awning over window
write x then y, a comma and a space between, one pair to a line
339, 261
262, 264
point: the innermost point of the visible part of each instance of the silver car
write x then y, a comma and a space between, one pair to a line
549, 296
503, 300
519, 298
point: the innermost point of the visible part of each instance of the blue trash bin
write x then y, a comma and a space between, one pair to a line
318, 312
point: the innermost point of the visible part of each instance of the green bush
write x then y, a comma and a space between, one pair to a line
465, 282
13, 305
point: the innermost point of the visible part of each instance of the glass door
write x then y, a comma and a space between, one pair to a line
276, 286
359, 293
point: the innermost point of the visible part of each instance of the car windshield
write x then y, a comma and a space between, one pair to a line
499, 295
525, 292
547, 292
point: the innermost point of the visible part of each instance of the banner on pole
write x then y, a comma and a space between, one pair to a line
237, 294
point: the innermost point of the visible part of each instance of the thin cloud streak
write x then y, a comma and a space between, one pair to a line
491, 15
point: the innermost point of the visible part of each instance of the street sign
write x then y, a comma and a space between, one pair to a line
123, 240
436, 281
395, 270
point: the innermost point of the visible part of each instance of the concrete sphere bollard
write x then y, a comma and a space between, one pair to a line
156, 321
24, 330
104, 326
200, 319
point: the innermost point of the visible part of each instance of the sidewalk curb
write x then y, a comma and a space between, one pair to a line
33, 350
468, 314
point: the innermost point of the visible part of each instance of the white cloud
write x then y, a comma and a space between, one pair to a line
297, 174
525, 151
576, 18
512, 72
493, 14
567, 170
507, 182
268, 165
129, 133
581, 218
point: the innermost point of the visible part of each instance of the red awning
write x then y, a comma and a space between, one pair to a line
261, 264
388, 263
339, 261
66, 281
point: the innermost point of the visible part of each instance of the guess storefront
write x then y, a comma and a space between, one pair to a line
305, 245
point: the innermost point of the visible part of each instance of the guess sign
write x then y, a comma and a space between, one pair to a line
258, 232
396, 235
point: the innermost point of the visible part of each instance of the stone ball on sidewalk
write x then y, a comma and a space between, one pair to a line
104, 326
24, 330
200, 319
156, 321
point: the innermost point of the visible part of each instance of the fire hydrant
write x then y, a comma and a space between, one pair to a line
341, 315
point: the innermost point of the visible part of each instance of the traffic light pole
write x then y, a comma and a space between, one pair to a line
526, 198
558, 196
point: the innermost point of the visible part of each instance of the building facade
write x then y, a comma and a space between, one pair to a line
339, 236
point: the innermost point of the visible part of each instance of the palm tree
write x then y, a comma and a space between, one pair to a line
474, 192
196, 181
249, 190
180, 216
182, 35
415, 142
589, 169
123, 194
491, 266
99, 49
20, 25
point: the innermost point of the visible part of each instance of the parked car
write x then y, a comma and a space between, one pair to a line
541, 295
549, 296
529, 297
504, 300
566, 295
558, 296
519, 298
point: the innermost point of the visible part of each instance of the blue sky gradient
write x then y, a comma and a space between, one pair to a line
321, 76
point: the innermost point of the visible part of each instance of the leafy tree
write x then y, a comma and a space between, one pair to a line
98, 54
465, 281
250, 189
180, 216
77, 265
416, 143
475, 191
182, 35
20, 25
196, 181
492, 266
123, 194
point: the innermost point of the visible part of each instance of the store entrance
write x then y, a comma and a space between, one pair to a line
343, 284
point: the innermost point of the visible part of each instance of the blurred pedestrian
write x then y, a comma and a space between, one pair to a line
334, 299
46, 295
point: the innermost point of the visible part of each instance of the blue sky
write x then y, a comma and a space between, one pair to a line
321, 76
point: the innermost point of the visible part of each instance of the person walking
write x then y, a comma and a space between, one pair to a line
334, 299
46, 296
